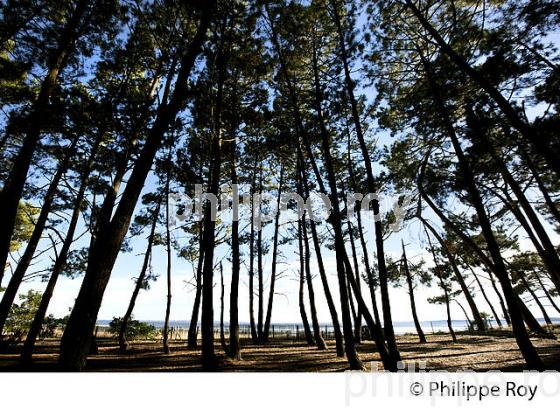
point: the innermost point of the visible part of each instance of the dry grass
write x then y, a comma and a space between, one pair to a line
490, 351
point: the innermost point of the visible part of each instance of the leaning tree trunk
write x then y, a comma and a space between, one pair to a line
234, 349
266, 330
546, 249
358, 321
192, 338
546, 292
500, 298
526, 314
77, 336
209, 236
302, 256
343, 264
40, 225
369, 271
60, 262
168, 246
467, 318
39, 116
254, 335
322, 273
123, 343
536, 299
321, 345
260, 273
448, 309
419, 330
222, 331
552, 207
470, 300
443, 287
490, 305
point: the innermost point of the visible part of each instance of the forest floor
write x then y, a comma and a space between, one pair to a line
494, 350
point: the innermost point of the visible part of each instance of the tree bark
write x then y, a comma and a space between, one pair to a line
209, 362
546, 292
358, 319
368, 268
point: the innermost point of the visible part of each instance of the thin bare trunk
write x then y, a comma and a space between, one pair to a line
419, 330
266, 330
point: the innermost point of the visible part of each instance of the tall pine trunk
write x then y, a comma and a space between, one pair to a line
254, 335
222, 330
234, 349
419, 330
321, 345
266, 330
209, 237
123, 343
260, 273
168, 248
485, 296
192, 337
535, 298
367, 266
358, 320
322, 273
443, 287
301, 295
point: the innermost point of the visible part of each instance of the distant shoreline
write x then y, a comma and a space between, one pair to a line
401, 327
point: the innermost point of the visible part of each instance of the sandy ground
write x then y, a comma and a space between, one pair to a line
496, 350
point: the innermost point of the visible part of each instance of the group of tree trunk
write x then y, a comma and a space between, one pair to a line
267, 95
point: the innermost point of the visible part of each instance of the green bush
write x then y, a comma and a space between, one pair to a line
135, 329
21, 315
